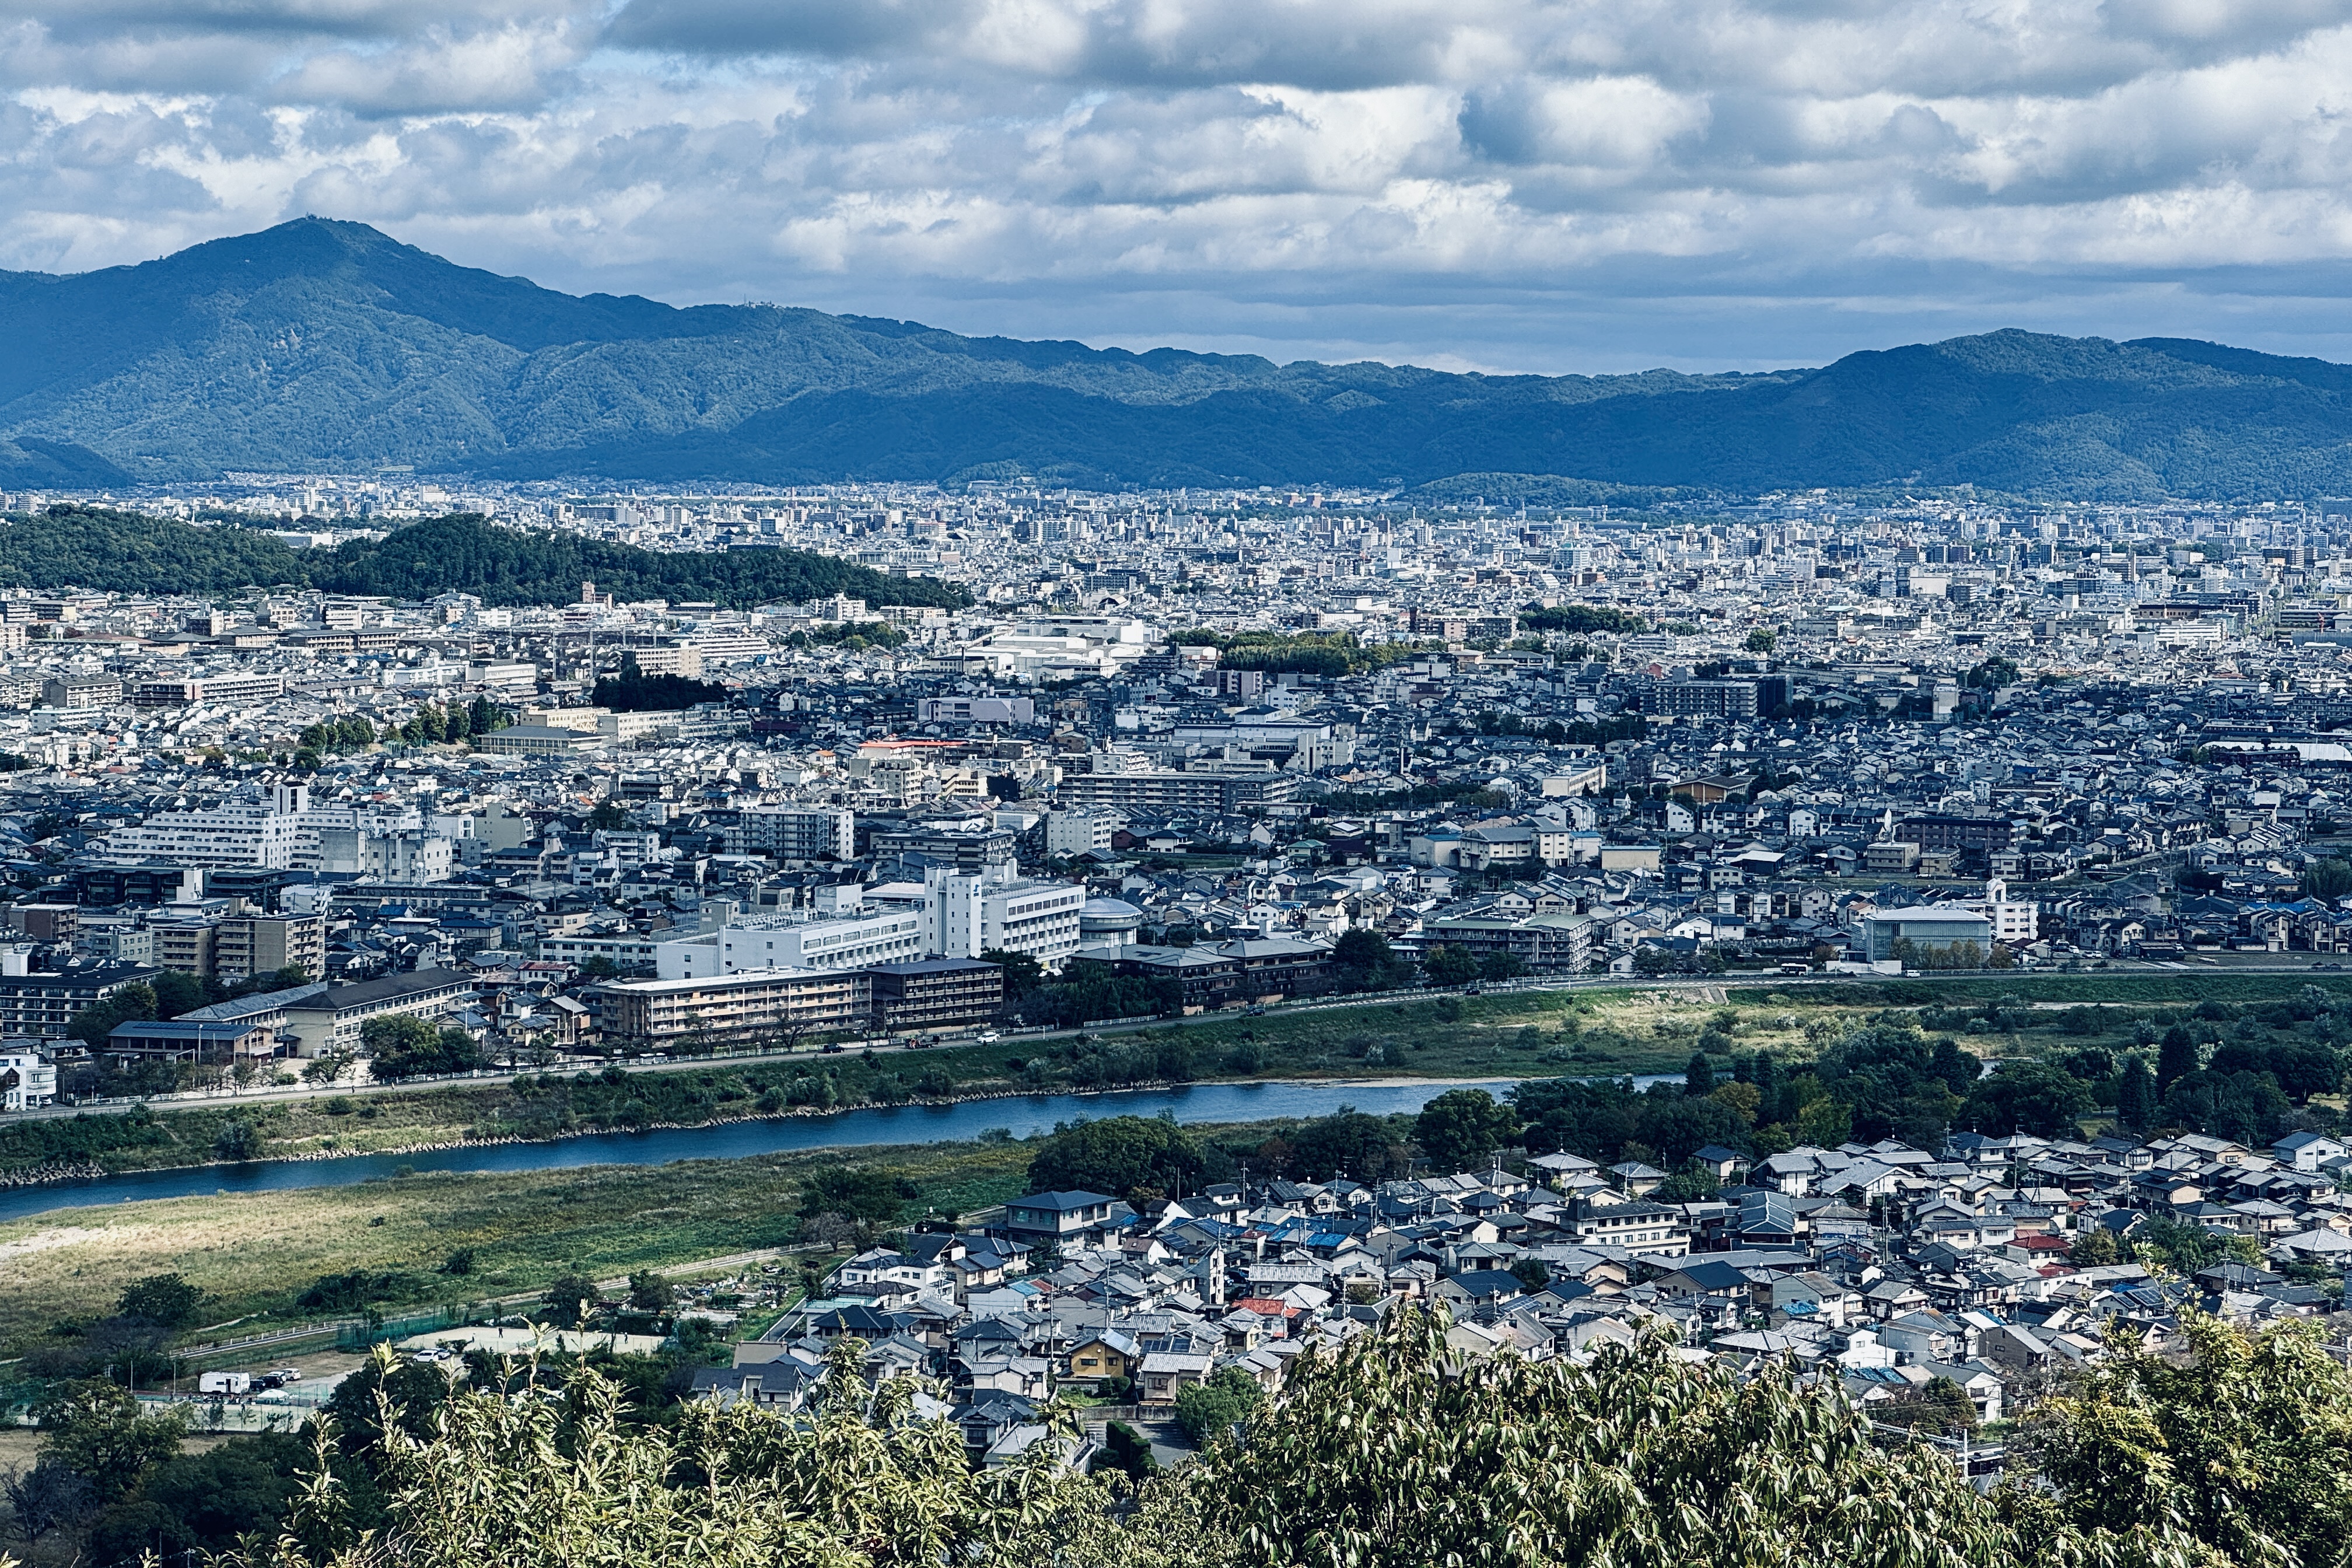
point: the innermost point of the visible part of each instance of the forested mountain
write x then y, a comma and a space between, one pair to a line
325, 345
92, 548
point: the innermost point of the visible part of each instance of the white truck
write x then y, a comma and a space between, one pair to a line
234, 1382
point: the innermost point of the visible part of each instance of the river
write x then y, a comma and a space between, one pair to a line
1019, 1115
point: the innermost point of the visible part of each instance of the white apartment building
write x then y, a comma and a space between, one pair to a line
848, 942
2012, 921
287, 832
1079, 832
794, 833
27, 1078
967, 916
260, 833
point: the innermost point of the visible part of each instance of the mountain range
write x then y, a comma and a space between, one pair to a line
319, 345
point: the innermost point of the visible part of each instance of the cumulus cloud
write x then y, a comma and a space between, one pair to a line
1548, 184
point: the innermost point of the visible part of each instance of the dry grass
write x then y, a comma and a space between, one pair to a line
254, 1253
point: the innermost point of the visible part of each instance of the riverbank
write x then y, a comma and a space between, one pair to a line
1452, 1038
54, 1174
985, 1118
403, 1240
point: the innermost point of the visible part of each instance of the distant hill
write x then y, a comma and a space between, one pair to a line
92, 548
326, 345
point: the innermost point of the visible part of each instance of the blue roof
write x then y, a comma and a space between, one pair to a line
1062, 1202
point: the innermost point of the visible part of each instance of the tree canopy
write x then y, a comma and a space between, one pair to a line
1123, 1156
1393, 1449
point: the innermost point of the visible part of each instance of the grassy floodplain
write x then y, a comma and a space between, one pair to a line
254, 1255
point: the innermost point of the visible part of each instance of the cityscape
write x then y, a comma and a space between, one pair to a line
1274, 757
1145, 783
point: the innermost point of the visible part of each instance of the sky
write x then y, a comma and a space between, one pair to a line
1525, 185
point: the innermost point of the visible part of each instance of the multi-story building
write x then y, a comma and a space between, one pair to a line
974, 853
181, 691
936, 993
241, 833
247, 945
286, 831
1545, 945
81, 692
847, 941
967, 916
1221, 973
624, 952
1230, 793
792, 833
1079, 832
755, 1007
194, 1041
40, 1005
332, 1019
1641, 1227
185, 946
28, 1078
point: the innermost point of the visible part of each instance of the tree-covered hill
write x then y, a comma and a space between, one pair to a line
321, 345
94, 548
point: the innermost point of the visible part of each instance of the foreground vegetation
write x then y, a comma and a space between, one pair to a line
1389, 1451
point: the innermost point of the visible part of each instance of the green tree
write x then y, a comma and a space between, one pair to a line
568, 1299
1127, 1451
404, 1047
651, 1292
2244, 1442
199, 1503
166, 1300
1346, 1143
1395, 1451
2029, 1095
608, 815
1361, 959
133, 1003
867, 1194
1119, 1155
1447, 965
1762, 641
2095, 1247
1023, 972
2330, 878
2176, 1057
1501, 964
2134, 1094
1940, 1406
1698, 1078
1461, 1128
100, 1431
1228, 1398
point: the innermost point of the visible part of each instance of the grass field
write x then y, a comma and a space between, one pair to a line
251, 1254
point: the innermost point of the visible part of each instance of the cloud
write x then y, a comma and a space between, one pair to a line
1548, 184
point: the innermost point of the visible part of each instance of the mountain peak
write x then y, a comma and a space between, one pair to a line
322, 343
